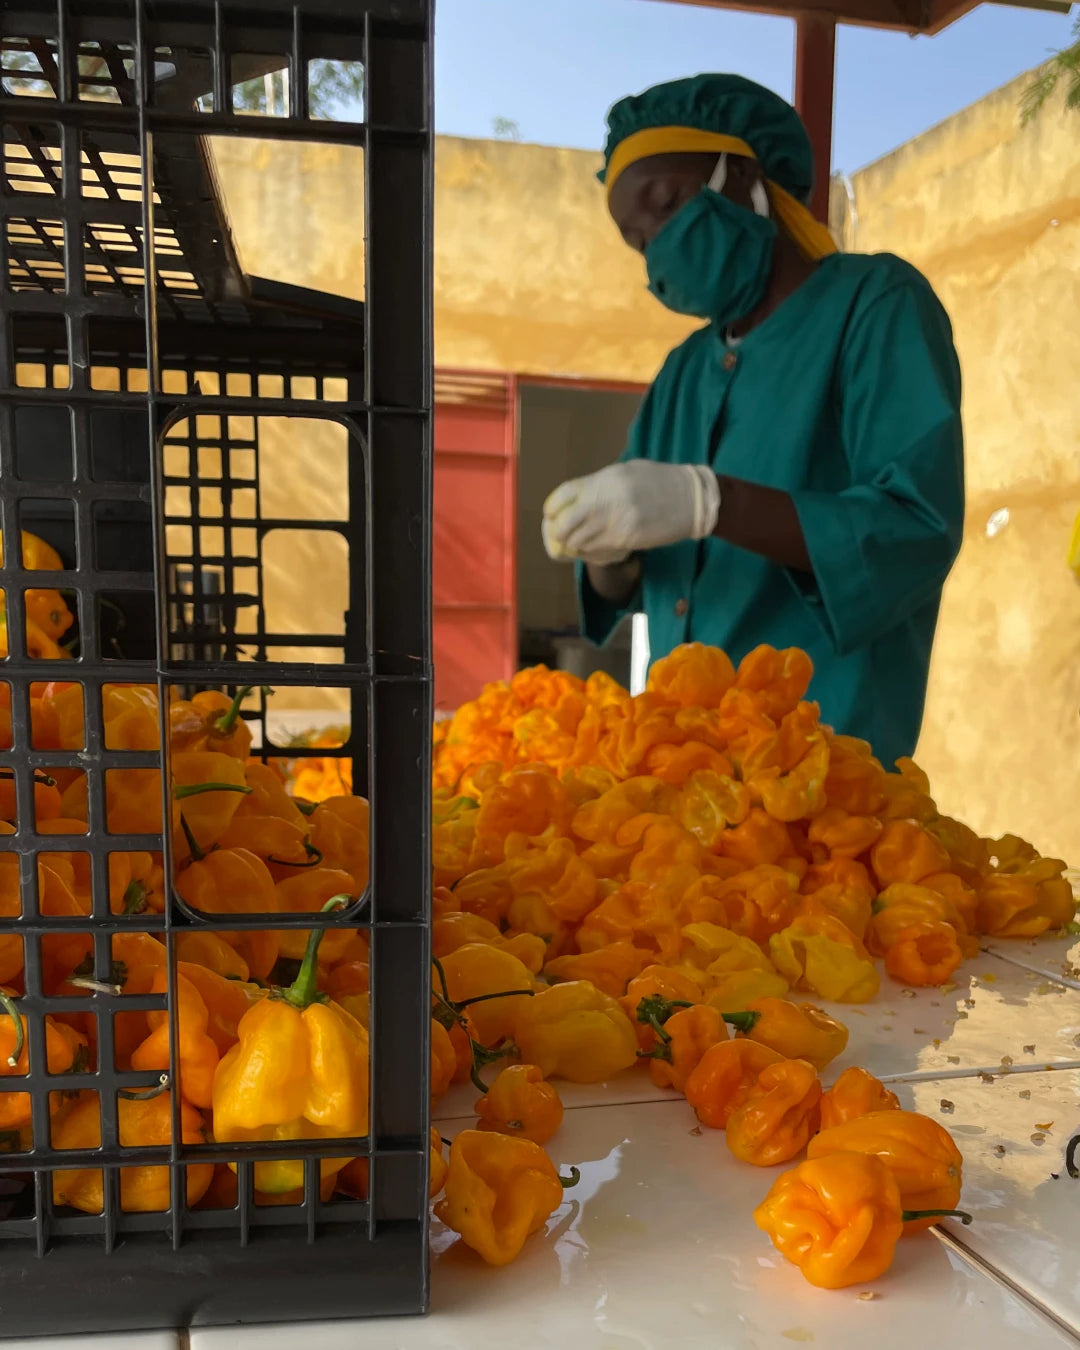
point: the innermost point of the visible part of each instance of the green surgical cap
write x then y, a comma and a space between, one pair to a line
733, 106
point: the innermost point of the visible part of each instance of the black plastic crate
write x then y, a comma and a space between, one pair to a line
138, 369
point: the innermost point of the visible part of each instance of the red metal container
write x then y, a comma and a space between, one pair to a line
474, 586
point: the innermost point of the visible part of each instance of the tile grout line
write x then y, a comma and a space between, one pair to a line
921, 1076
913, 1076
995, 1070
980, 1263
1055, 977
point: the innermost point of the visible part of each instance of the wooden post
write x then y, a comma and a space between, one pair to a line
815, 70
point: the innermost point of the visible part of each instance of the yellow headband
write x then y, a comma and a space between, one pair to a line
808, 233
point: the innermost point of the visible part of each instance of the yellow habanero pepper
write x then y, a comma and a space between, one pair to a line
499, 1191
738, 988
855, 1093
210, 787
779, 1115
718, 951
211, 721
521, 1103
609, 968
797, 1030
684, 1038
475, 970
817, 952
574, 1031
145, 1123
921, 1155
300, 1071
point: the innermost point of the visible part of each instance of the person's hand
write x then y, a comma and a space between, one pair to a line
558, 552
637, 505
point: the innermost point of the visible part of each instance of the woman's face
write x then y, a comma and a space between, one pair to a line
649, 192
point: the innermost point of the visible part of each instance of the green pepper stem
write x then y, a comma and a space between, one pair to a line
655, 1009
960, 1214
193, 844
742, 1021
8, 1005
460, 804
482, 1056
571, 1180
224, 724
305, 807
181, 791
315, 857
144, 1094
661, 1051
483, 998
444, 1014
134, 901
303, 990
442, 980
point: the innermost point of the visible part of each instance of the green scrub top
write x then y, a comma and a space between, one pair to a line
847, 397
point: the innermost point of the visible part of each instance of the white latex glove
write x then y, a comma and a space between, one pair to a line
637, 505
557, 552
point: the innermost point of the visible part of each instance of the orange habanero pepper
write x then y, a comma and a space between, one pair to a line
924, 954
725, 1077
520, 1102
778, 1116
855, 1093
920, 1154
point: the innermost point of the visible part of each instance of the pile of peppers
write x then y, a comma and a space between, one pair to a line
650, 884
272, 1023
870, 1173
713, 825
662, 881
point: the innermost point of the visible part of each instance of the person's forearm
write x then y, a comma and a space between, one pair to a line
616, 583
762, 520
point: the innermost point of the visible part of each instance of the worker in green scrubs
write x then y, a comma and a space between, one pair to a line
795, 473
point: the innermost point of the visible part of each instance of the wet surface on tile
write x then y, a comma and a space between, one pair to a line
1013, 1134
656, 1249
993, 1011
1054, 958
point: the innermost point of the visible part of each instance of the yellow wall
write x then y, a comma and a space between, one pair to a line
530, 276
530, 273
990, 212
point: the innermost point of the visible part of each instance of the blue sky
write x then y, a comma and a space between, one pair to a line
555, 66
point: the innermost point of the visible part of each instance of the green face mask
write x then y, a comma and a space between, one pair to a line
712, 259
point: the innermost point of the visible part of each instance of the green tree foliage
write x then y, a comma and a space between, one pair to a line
335, 91
1062, 68
335, 88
